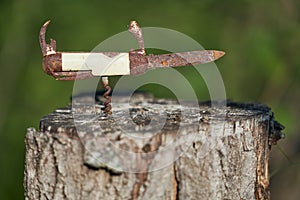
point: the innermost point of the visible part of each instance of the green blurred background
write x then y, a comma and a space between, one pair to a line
262, 64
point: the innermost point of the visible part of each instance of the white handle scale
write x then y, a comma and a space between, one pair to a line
101, 64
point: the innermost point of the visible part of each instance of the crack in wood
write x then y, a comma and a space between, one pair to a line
56, 171
176, 182
141, 178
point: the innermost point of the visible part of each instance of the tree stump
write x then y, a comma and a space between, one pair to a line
151, 149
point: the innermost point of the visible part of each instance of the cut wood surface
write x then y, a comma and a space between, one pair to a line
151, 149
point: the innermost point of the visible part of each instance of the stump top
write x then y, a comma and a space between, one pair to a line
143, 109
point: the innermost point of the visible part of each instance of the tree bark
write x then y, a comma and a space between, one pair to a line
205, 152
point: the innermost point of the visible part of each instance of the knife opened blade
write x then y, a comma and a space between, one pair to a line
139, 64
184, 58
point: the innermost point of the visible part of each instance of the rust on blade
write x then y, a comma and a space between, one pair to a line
139, 64
136, 31
184, 58
47, 49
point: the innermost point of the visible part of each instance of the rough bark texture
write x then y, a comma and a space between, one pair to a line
215, 152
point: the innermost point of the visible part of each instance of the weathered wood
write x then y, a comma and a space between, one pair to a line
214, 153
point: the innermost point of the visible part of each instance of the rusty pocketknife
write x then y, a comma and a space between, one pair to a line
79, 65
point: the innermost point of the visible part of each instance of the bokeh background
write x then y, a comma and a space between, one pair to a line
262, 64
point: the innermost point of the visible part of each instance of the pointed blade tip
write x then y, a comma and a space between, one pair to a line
47, 23
218, 54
